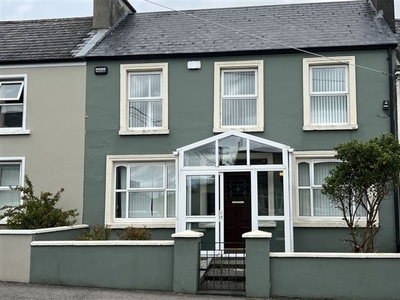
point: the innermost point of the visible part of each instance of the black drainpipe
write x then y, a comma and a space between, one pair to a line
393, 130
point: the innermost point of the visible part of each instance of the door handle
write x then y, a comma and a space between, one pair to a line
221, 215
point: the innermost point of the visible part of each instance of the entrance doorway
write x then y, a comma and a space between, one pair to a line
237, 208
233, 183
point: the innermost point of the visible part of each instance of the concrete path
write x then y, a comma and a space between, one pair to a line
22, 291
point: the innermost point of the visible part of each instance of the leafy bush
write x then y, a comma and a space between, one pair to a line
133, 233
369, 172
97, 233
37, 211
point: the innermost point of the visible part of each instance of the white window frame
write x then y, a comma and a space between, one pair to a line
349, 62
125, 70
309, 221
17, 78
219, 67
14, 160
112, 161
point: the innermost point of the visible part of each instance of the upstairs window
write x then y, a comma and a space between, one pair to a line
238, 102
11, 104
144, 99
329, 93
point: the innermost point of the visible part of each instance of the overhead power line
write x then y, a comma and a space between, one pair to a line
267, 40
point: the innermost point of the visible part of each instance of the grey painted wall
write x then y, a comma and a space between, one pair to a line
175, 267
123, 267
335, 278
191, 119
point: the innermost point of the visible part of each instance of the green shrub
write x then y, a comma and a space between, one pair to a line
37, 211
133, 233
97, 233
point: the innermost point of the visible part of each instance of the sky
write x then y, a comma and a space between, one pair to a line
45, 9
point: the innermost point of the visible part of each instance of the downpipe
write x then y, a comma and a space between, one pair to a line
393, 130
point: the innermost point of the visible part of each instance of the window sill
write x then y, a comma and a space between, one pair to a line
143, 223
241, 129
324, 224
143, 132
329, 127
17, 131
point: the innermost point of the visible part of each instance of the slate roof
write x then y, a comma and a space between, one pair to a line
315, 25
38, 40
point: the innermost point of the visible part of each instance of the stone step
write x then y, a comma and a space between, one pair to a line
223, 285
225, 274
223, 262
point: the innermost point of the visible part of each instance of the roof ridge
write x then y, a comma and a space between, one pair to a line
45, 20
249, 6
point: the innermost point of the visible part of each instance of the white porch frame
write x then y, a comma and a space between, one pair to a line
183, 171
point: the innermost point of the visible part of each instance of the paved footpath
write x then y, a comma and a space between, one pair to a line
24, 291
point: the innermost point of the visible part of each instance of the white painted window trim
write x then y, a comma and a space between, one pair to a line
233, 65
21, 161
125, 69
111, 161
313, 221
18, 130
330, 61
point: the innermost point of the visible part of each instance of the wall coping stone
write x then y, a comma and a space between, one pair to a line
40, 231
257, 234
100, 243
334, 255
187, 234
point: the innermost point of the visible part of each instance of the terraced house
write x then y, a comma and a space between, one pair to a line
42, 107
223, 120
42, 102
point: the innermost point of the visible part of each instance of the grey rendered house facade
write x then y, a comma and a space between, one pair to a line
42, 107
223, 121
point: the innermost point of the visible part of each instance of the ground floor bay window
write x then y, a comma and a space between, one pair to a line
311, 207
141, 190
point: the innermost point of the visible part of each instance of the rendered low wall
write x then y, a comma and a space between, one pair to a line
173, 266
335, 275
146, 265
15, 249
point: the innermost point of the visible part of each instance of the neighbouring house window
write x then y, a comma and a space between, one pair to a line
239, 96
12, 104
144, 99
143, 190
10, 177
329, 93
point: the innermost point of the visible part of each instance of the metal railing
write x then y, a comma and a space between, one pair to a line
223, 268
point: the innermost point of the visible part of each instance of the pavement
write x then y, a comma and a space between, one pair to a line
26, 291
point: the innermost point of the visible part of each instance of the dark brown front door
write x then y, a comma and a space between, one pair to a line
237, 208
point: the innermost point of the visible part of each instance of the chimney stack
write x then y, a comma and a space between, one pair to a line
387, 7
107, 13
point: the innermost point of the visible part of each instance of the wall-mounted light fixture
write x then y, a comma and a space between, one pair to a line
103, 70
386, 107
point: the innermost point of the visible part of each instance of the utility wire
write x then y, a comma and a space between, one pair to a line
268, 40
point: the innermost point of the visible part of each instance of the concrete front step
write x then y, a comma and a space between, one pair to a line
222, 274
223, 285
222, 262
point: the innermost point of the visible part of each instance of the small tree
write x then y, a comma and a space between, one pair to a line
37, 211
368, 173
